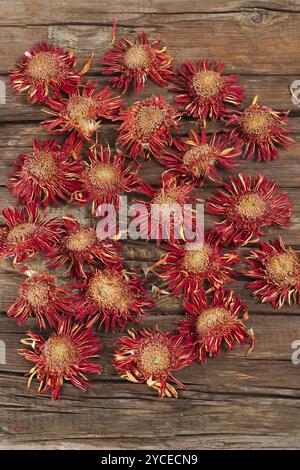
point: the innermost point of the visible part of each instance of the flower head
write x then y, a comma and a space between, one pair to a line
210, 324
82, 111
111, 296
43, 69
78, 247
196, 159
275, 269
146, 127
41, 297
63, 356
247, 206
203, 90
26, 232
152, 357
48, 173
192, 268
137, 61
105, 178
261, 130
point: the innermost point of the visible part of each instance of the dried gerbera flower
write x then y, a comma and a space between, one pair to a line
41, 297
43, 69
151, 357
137, 61
164, 217
48, 173
111, 296
26, 232
261, 130
82, 111
63, 356
210, 324
247, 206
191, 268
276, 270
146, 127
79, 246
205, 92
196, 159
105, 178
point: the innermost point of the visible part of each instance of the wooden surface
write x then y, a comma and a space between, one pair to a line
232, 402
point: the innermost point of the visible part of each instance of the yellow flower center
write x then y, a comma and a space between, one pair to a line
137, 57
166, 197
251, 206
43, 66
60, 353
256, 121
81, 240
283, 269
78, 108
196, 159
20, 233
42, 165
155, 358
37, 294
196, 261
212, 321
109, 291
207, 83
150, 118
103, 175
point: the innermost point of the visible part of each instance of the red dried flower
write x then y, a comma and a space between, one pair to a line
276, 270
205, 92
163, 217
43, 69
41, 297
48, 173
210, 324
151, 357
196, 159
137, 61
146, 127
63, 356
260, 129
26, 232
247, 206
82, 111
105, 178
111, 296
193, 268
79, 246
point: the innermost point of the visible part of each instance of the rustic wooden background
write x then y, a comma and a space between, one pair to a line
232, 402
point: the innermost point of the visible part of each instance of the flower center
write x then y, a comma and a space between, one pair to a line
81, 240
43, 66
103, 175
109, 291
20, 233
37, 294
166, 197
256, 121
150, 118
60, 353
42, 165
212, 321
207, 84
78, 108
196, 261
137, 57
251, 206
155, 358
198, 158
284, 268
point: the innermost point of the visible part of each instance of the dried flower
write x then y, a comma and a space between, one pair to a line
135, 61
204, 92
247, 206
210, 324
63, 356
260, 129
146, 127
276, 270
151, 357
